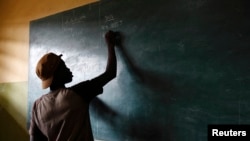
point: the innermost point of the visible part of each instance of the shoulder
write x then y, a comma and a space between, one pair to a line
51, 96
41, 98
87, 89
82, 86
38, 101
66, 92
88, 86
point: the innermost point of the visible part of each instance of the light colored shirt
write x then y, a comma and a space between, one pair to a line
63, 114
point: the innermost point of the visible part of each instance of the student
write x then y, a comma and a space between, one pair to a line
63, 113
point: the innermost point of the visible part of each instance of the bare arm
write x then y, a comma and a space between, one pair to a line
111, 67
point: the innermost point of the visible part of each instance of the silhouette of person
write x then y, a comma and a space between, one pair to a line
63, 113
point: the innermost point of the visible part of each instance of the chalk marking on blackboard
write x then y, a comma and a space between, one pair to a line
109, 18
110, 22
196, 4
73, 20
181, 46
68, 22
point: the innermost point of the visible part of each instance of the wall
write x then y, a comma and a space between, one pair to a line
10, 129
14, 52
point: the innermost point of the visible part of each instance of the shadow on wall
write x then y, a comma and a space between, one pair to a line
131, 126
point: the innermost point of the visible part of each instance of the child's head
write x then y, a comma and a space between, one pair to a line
46, 68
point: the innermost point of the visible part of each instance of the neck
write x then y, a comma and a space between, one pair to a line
55, 87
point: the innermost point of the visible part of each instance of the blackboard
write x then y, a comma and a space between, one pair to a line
183, 64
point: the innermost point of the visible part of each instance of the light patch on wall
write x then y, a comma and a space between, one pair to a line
13, 53
14, 33
13, 65
13, 100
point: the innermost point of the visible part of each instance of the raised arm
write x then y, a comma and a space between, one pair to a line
111, 67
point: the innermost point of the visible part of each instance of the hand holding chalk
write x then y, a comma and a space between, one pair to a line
110, 38
113, 38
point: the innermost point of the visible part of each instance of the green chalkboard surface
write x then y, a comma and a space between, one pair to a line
183, 64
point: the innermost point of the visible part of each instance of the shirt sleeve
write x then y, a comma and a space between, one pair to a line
34, 131
88, 89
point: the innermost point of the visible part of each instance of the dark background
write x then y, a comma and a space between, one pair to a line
183, 64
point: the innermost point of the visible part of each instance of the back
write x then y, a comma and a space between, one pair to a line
62, 115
